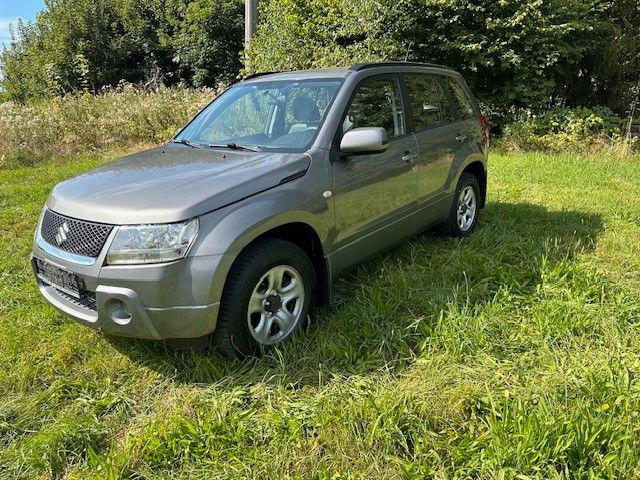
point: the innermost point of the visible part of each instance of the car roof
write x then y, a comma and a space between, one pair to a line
300, 74
339, 73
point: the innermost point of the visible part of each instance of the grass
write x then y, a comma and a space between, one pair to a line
511, 354
61, 126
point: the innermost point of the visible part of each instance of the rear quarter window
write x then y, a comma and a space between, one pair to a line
461, 107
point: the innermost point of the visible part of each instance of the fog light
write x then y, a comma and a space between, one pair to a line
118, 312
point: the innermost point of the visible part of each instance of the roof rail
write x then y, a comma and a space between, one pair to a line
363, 66
259, 74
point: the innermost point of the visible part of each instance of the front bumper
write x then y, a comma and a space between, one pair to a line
155, 301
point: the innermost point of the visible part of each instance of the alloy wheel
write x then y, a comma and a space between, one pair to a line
276, 305
467, 208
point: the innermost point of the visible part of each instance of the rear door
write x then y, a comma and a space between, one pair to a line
375, 197
464, 114
433, 131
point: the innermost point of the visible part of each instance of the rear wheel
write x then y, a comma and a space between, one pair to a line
266, 298
463, 216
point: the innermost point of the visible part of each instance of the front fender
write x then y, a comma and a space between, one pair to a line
225, 233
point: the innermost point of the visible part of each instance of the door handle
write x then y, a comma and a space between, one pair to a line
408, 157
461, 137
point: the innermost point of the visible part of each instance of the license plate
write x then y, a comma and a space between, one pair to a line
65, 280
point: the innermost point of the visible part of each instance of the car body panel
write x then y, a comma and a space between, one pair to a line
434, 162
374, 197
357, 205
171, 183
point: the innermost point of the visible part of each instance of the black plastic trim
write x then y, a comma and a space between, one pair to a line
363, 66
296, 175
259, 74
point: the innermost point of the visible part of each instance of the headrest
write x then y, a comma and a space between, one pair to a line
305, 110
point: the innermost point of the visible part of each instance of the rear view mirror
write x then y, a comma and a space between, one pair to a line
365, 140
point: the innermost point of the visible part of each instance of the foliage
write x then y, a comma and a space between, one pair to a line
209, 41
517, 54
610, 74
80, 45
127, 116
80, 122
509, 354
565, 129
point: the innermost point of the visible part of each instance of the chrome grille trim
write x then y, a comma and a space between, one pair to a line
85, 239
58, 253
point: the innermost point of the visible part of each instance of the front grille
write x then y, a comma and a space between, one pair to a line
79, 237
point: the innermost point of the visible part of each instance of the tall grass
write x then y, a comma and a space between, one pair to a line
514, 353
585, 131
79, 123
125, 117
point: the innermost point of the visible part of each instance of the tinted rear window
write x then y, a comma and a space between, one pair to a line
462, 107
428, 101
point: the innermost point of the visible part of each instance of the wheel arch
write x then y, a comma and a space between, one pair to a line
234, 234
478, 170
304, 236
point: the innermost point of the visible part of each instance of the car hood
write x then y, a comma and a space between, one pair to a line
172, 183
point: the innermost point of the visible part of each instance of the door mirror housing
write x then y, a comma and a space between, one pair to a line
430, 109
365, 140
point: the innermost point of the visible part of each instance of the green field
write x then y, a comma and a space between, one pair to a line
514, 353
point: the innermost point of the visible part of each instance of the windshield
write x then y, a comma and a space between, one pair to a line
275, 115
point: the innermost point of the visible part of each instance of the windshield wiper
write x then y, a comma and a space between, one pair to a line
235, 146
188, 143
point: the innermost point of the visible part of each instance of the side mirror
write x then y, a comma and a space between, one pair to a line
365, 140
430, 109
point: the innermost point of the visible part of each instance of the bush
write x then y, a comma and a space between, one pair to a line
76, 123
565, 129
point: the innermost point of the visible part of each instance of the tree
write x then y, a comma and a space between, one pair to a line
76, 45
209, 41
517, 54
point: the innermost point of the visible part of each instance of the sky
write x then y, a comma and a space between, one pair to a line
11, 10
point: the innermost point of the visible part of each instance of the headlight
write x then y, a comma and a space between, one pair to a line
152, 243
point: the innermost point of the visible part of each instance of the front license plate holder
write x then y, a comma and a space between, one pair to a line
59, 278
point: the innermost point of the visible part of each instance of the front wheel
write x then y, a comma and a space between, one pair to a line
266, 298
463, 216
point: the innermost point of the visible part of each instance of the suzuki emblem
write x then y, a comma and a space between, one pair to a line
61, 236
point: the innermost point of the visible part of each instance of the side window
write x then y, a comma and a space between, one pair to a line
377, 103
427, 101
462, 107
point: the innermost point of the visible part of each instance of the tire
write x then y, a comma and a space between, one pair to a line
260, 266
452, 227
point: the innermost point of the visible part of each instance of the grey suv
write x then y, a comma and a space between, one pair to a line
240, 224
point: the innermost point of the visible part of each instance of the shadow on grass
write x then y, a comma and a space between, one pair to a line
371, 322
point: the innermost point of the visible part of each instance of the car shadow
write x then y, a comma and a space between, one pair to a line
375, 307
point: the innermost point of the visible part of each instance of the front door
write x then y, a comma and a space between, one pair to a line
375, 194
